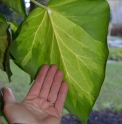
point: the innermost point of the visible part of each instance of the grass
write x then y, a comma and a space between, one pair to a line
19, 82
109, 98
111, 92
115, 54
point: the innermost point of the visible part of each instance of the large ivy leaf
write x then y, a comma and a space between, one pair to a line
71, 34
17, 5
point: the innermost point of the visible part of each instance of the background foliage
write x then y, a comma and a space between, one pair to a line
115, 54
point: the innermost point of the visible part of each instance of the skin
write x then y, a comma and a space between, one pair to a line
36, 108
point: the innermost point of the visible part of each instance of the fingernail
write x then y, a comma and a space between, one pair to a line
9, 90
59, 73
53, 67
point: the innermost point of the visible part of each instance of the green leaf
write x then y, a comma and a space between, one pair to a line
14, 26
5, 39
3, 42
71, 34
84, 12
17, 5
2, 18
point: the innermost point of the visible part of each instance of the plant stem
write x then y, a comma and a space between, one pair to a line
38, 4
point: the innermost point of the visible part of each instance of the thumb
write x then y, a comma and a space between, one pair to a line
8, 96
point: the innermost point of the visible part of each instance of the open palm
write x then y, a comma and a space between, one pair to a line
43, 103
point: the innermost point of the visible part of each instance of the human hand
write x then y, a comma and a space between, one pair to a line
43, 103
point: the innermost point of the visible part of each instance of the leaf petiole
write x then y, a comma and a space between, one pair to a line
38, 4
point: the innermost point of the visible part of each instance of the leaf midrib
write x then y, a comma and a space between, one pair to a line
62, 57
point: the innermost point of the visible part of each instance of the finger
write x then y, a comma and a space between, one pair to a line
61, 97
55, 86
8, 96
48, 82
36, 87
